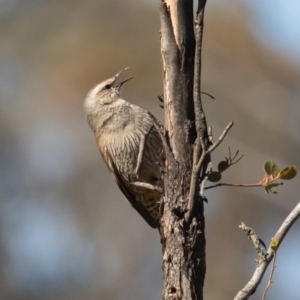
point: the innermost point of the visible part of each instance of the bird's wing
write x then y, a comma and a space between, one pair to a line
128, 193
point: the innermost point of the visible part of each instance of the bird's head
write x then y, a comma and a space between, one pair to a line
106, 92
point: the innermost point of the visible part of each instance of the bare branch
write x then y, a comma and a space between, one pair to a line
287, 224
253, 283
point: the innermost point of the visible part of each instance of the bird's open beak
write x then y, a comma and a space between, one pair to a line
118, 74
122, 82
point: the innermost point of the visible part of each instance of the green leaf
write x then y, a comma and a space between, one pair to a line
271, 169
288, 173
223, 165
268, 188
273, 185
274, 244
214, 176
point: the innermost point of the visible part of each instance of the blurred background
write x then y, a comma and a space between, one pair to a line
66, 231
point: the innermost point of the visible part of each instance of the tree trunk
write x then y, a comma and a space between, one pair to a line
182, 228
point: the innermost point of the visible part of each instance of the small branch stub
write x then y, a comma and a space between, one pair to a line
256, 240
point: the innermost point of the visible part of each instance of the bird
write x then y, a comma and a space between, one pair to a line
120, 129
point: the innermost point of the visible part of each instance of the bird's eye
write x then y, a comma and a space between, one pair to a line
108, 86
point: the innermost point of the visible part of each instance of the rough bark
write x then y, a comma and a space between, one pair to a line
182, 228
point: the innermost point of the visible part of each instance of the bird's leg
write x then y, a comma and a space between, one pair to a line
141, 154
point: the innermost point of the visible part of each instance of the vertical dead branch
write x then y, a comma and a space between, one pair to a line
187, 147
200, 120
183, 240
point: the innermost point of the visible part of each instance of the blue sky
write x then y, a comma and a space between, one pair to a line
276, 24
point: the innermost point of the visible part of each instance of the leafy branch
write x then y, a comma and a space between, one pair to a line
268, 181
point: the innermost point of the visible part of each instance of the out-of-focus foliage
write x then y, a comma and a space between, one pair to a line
66, 232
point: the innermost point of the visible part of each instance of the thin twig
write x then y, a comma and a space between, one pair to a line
212, 147
221, 138
141, 153
270, 281
240, 185
236, 154
233, 185
209, 95
233, 163
197, 167
231, 159
260, 270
